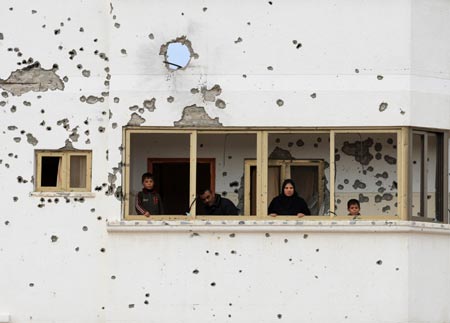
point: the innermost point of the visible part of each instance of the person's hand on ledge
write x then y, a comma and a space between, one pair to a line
147, 214
273, 214
300, 215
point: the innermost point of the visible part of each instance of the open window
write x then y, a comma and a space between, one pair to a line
366, 169
63, 171
428, 178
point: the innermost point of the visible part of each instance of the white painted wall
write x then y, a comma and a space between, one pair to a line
345, 45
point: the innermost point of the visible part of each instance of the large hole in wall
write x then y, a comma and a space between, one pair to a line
177, 53
178, 56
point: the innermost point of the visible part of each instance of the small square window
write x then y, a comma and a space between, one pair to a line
67, 171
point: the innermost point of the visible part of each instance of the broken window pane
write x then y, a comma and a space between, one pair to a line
51, 171
366, 170
303, 158
78, 169
222, 161
166, 156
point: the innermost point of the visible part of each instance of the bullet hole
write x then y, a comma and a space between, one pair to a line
316, 277
305, 236
213, 284
244, 76
286, 240
117, 25
279, 316
31, 284
280, 102
397, 269
54, 238
383, 106
385, 208
170, 99
146, 302
358, 184
378, 146
77, 249
204, 9
233, 252
6, 222
151, 36
15, 198
57, 31
65, 79
85, 228
370, 169
194, 91
221, 104
313, 95
102, 249
356, 70
379, 77
346, 181
216, 254
383, 175
340, 187
86, 73
101, 129
72, 54
13, 109
150, 104
362, 198
379, 262
224, 193
390, 160
48, 128
270, 68
123, 51
238, 40
130, 305
240, 271
195, 271
234, 184
232, 235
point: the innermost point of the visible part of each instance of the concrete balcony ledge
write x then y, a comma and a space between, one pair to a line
280, 226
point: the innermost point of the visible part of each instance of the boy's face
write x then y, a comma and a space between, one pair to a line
354, 209
148, 183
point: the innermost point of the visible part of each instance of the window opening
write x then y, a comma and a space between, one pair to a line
366, 170
50, 171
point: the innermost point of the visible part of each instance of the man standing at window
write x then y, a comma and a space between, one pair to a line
214, 204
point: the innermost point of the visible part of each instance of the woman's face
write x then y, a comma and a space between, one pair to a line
288, 189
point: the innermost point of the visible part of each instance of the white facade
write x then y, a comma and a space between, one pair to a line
71, 257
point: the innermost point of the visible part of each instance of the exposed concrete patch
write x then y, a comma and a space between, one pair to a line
136, 120
91, 99
210, 95
181, 40
32, 78
196, 116
150, 104
279, 153
359, 150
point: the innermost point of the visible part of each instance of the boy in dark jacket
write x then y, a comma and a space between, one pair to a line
148, 201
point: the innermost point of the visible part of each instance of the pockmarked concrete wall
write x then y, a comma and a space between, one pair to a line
74, 73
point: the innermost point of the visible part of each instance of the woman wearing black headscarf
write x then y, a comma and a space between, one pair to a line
288, 202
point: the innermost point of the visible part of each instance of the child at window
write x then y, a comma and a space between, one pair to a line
148, 201
353, 207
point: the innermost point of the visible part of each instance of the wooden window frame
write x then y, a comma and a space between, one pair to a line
64, 185
404, 149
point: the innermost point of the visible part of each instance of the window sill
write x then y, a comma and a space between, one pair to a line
63, 194
279, 226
